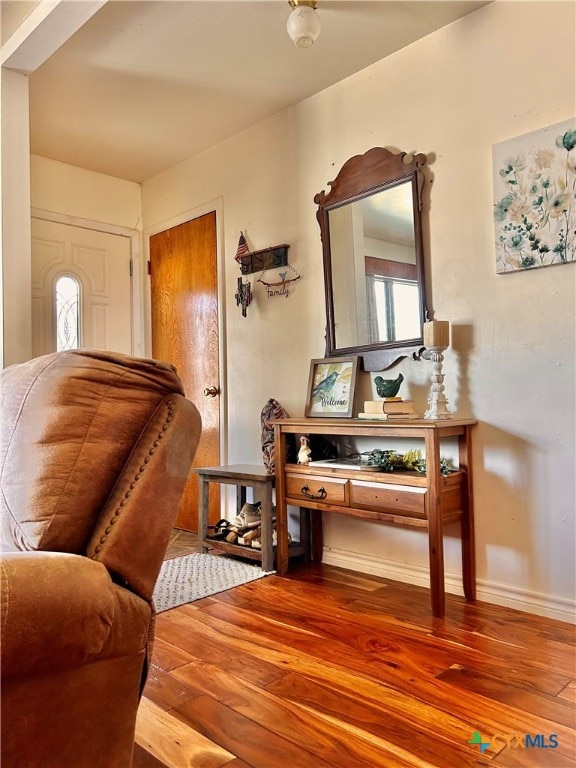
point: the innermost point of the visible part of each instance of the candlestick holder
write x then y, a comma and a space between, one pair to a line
437, 402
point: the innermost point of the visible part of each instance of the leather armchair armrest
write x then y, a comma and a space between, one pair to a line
146, 497
58, 612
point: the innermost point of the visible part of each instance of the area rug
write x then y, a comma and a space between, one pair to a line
189, 578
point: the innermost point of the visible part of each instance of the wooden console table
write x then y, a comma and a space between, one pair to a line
429, 501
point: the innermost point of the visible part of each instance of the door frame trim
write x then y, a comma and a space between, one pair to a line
215, 206
137, 288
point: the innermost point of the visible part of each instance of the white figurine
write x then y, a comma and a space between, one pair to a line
304, 454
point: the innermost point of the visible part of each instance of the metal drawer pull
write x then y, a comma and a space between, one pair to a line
305, 491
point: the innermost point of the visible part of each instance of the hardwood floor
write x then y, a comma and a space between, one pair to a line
326, 668
181, 543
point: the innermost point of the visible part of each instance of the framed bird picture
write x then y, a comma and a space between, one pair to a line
331, 386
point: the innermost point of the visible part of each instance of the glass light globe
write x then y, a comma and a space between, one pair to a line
303, 26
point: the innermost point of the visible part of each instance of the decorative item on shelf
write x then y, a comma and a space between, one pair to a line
436, 340
331, 386
304, 454
392, 461
357, 463
389, 408
267, 258
279, 287
388, 387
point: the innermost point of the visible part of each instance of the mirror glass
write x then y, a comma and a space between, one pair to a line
374, 273
373, 257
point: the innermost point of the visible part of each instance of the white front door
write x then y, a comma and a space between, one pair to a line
99, 265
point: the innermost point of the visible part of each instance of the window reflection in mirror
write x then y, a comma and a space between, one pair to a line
374, 269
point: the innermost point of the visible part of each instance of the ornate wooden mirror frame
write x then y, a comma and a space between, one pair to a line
357, 321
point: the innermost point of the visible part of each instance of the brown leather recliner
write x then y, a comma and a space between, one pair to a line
95, 450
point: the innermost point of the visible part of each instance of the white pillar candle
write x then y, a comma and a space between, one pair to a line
437, 334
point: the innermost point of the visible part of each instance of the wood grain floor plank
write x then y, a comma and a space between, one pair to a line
537, 669
175, 745
531, 758
563, 633
246, 631
557, 657
355, 580
252, 742
326, 735
167, 691
398, 668
167, 656
326, 667
400, 600
549, 707
206, 646
343, 679
381, 719
569, 692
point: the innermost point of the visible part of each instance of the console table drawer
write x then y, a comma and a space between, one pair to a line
317, 488
387, 497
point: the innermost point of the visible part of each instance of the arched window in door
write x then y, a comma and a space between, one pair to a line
67, 299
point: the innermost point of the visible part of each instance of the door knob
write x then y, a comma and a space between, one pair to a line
210, 391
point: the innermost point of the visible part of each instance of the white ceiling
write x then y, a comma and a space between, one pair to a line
143, 86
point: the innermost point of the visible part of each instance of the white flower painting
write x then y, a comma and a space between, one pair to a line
535, 198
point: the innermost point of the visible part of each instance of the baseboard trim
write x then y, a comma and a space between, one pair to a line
550, 606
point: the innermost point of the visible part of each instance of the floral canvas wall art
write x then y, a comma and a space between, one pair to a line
535, 198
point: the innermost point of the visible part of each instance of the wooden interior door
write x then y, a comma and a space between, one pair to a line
184, 306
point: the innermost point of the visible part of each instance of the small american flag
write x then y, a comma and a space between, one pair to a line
242, 249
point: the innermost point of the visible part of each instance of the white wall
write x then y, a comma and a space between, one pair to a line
16, 304
12, 15
452, 95
65, 189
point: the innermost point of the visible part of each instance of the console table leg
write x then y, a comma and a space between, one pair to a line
467, 522
281, 510
282, 533
468, 564
435, 534
436, 548
267, 526
305, 533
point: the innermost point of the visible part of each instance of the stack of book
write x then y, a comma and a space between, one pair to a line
388, 408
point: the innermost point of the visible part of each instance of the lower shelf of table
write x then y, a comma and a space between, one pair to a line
251, 553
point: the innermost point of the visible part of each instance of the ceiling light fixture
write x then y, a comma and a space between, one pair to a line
303, 23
